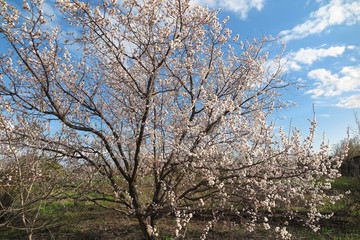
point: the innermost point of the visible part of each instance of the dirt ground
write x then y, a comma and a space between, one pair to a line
107, 225
89, 222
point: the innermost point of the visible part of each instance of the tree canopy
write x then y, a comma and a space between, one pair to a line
164, 104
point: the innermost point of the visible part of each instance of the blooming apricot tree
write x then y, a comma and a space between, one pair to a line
165, 104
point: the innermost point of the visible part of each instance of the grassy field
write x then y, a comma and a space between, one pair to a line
83, 220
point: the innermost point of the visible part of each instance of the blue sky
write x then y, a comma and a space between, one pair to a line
323, 52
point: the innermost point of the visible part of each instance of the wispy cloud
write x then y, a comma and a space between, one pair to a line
241, 7
334, 13
332, 84
49, 9
309, 55
323, 115
350, 102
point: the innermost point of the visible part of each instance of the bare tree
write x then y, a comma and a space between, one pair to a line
28, 178
166, 105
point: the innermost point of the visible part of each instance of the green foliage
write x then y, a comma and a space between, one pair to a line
354, 148
349, 166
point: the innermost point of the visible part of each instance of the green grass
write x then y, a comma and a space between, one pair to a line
344, 184
11, 233
327, 233
82, 220
345, 224
65, 214
168, 237
350, 203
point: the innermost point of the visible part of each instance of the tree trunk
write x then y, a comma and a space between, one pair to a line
146, 225
146, 229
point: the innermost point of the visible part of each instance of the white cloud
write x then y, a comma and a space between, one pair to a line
48, 8
334, 13
292, 65
350, 102
241, 7
310, 55
329, 84
323, 115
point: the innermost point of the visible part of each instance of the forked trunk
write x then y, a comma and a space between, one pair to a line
146, 228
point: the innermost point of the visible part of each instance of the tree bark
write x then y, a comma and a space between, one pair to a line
145, 228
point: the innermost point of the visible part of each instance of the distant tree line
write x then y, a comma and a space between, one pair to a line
351, 164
